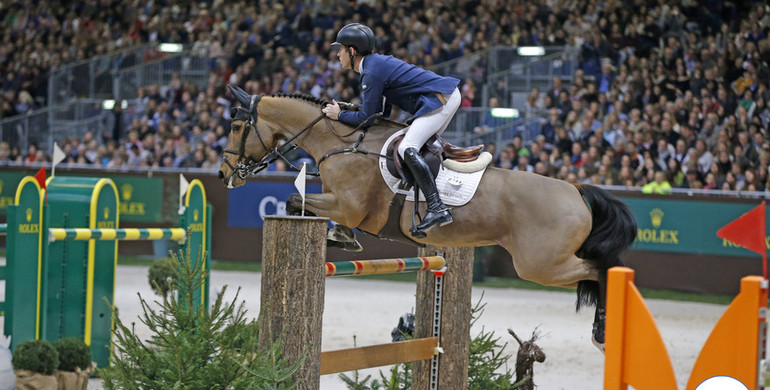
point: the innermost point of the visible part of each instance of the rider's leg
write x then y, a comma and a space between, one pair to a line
418, 133
437, 212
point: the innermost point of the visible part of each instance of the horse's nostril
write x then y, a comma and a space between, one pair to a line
221, 175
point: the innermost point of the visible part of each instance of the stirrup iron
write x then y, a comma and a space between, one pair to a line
414, 231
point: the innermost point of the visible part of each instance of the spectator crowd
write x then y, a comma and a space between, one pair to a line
667, 93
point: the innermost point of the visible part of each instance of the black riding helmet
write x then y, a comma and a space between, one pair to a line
358, 36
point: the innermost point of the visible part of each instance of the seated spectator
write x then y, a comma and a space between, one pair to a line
658, 186
490, 121
523, 164
5, 152
674, 174
548, 129
693, 179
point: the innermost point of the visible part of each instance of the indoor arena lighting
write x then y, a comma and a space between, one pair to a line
170, 47
531, 51
109, 104
504, 112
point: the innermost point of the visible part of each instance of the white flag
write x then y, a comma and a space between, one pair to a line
183, 185
300, 184
58, 156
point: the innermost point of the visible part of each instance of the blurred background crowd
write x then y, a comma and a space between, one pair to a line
665, 93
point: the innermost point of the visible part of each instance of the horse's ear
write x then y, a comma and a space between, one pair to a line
242, 96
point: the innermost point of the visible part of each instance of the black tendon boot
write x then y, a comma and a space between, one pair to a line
437, 212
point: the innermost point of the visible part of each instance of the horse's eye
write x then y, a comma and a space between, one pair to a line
236, 128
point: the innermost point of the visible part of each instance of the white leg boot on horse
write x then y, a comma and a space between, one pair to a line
437, 212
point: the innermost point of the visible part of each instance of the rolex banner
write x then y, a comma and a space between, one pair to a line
140, 197
686, 226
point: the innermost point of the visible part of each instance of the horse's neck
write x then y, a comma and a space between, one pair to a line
293, 115
290, 116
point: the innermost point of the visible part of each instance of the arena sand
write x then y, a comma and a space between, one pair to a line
370, 309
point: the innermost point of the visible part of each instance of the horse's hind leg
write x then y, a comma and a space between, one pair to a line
573, 272
598, 331
567, 273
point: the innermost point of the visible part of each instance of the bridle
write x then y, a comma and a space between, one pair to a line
242, 167
246, 166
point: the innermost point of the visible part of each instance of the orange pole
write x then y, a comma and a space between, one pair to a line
733, 347
634, 351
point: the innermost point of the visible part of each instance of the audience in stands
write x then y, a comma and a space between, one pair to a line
666, 94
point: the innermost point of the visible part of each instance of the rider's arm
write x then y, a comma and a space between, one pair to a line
371, 101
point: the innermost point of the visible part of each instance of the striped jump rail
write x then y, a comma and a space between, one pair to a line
385, 266
150, 234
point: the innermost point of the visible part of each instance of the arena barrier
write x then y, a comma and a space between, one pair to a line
293, 273
62, 252
635, 354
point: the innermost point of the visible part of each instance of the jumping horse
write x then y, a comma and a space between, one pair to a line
558, 234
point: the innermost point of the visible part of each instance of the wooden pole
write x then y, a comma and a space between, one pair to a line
358, 358
293, 285
455, 318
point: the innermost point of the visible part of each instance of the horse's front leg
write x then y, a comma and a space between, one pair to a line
325, 205
322, 205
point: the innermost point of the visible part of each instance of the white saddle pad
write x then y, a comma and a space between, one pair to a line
455, 188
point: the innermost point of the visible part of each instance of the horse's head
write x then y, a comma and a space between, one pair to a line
247, 150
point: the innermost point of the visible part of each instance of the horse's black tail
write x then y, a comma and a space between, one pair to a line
613, 231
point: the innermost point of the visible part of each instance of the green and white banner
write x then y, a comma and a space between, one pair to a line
686, 226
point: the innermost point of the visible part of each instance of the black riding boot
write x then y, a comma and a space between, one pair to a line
437, 212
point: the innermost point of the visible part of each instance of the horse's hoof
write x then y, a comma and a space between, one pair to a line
334, 244
418, 233
294, 206
597, 334
352, 246
598, 345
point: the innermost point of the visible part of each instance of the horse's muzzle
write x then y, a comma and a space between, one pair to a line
226, 180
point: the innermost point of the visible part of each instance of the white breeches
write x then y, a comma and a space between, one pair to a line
434, 122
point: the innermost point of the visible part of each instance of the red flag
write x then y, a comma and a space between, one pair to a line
748, 231
40, 177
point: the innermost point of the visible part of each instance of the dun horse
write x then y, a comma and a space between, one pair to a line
558, 234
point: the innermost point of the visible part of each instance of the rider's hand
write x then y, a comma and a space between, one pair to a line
332, 110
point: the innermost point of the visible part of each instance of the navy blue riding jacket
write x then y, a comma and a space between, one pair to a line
406, 86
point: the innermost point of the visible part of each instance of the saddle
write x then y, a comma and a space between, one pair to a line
433, 156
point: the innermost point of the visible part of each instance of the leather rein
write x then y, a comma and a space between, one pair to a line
246, 166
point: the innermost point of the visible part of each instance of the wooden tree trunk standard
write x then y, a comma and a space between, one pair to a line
293, 291
455, 318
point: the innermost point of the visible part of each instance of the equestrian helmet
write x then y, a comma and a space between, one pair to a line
358, 36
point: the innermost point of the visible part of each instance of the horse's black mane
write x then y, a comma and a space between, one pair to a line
302, 96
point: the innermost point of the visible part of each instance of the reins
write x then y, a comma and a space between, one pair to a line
252, 167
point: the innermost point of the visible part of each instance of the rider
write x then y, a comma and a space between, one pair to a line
431, 99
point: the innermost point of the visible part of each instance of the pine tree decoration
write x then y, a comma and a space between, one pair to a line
192, 349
